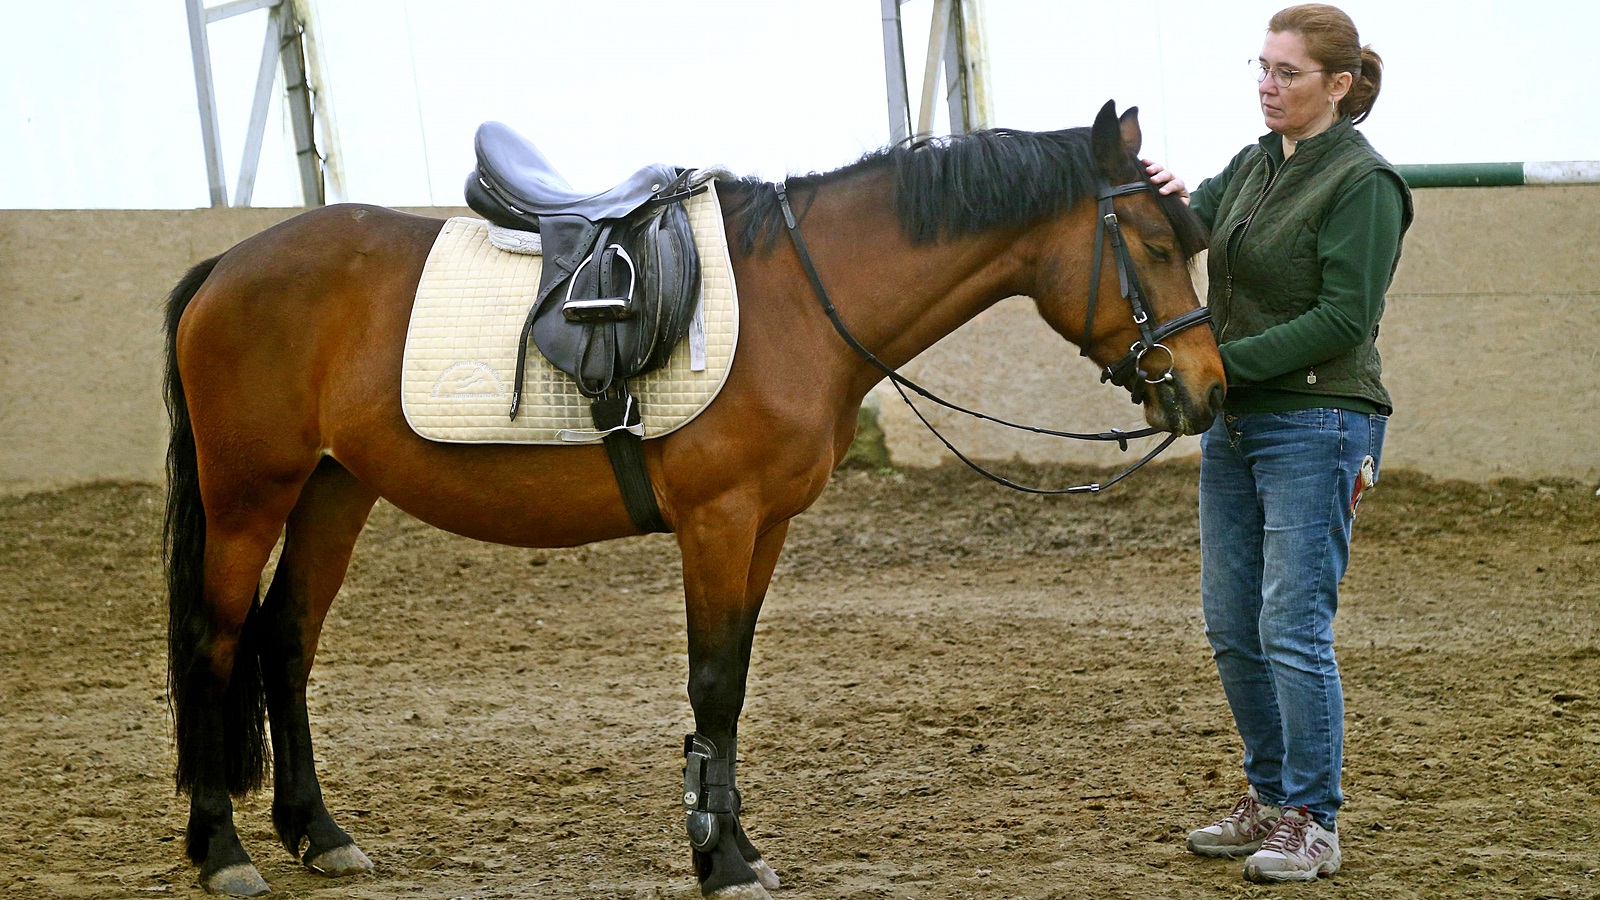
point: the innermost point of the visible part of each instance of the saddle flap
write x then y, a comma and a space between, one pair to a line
597, 340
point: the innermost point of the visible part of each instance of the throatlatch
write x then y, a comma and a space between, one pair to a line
708, 789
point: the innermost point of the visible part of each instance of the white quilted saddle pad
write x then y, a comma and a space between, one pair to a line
461, 346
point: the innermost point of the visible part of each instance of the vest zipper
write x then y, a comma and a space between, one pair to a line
1238, 231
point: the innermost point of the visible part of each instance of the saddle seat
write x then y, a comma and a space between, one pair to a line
515, 184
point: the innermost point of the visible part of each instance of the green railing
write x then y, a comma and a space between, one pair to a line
1500, 174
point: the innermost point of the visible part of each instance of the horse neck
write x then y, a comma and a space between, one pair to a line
898, 298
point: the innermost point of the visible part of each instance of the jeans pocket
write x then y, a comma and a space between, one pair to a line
1296, 426
1378, 424
1313, 416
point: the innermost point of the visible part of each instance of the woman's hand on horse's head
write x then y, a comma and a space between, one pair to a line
1166, 181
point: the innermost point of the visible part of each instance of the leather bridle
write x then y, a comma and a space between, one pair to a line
1128, 372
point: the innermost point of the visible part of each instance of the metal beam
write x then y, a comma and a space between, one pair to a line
305, 12
282, 46
237, 8
266, 73
974, 71
955, 38
955, 67
894, 72
299, 100
210, 134
930, 70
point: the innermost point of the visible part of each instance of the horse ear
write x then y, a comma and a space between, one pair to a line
1106, 140
1132, 138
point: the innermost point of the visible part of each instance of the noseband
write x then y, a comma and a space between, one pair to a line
1130, 371
1121, 373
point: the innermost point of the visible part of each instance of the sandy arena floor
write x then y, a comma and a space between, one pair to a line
957, 692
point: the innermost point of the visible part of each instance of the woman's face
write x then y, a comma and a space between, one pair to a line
1306, 106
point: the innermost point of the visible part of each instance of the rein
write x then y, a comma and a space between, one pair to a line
1121, 373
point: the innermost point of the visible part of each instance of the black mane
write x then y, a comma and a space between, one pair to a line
966, 184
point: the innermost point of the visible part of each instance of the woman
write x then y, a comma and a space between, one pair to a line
1306, 229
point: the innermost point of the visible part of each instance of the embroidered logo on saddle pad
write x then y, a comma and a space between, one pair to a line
461, 346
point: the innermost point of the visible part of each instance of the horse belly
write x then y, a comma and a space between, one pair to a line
519, 494
524, 496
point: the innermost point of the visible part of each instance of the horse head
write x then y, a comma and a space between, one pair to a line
1133, 309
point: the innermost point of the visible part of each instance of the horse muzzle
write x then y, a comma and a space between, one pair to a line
1171, 406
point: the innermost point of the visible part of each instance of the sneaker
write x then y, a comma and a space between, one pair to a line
1297, 850
1239, 833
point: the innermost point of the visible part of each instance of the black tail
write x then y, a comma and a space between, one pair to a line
242, 714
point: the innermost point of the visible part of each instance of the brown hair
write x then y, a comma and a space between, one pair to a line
1332, 41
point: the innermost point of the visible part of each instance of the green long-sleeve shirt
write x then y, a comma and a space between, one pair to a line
1357, 244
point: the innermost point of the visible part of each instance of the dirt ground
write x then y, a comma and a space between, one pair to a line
957, 692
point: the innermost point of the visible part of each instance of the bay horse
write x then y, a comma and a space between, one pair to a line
283, 391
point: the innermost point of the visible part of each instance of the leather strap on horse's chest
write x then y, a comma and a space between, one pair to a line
618, 416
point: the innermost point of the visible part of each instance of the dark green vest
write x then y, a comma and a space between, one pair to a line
1263, 266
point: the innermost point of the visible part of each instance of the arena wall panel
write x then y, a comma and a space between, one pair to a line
1491, 346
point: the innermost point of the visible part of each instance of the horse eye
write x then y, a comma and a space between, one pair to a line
1159, 254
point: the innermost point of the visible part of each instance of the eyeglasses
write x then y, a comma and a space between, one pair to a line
1281, 76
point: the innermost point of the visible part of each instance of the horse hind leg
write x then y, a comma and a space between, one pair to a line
319, 539
216, 555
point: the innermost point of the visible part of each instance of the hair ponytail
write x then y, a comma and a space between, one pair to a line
1357, 103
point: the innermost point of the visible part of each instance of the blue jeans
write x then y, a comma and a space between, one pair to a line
1277, 502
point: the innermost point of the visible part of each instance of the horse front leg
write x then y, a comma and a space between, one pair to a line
725, 580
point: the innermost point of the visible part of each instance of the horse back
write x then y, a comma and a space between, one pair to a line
319, 276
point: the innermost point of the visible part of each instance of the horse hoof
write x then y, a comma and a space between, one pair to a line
341, 861
765, 875
237, 881
751, 891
